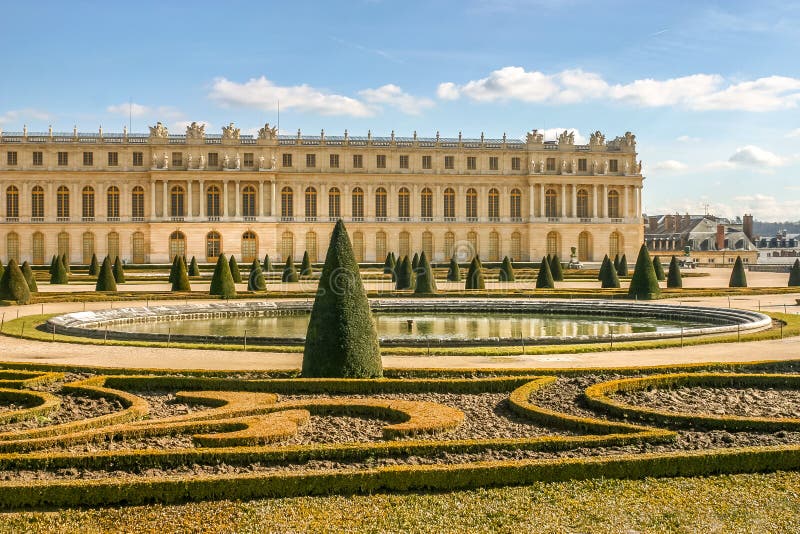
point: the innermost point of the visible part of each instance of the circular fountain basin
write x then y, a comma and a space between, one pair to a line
416, 322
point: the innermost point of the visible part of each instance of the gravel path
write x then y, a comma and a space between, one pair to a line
746, 402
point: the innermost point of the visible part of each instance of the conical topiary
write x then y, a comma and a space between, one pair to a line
644, 283
59, 274
65, 261
389, 264
53, 268
475, 275
623, 266
267, 265
738, 276
119, 271
13, 285
341, 341
426, 283
608, 274
659, 269
94, 266
415, 262
194, 269
236, 274
506, 271
173, 271
616, 262
555, 269
404, 274
180, 282
105, 278
674, 278
305, 266
289, 271
453, 271
27, 272
222, 281
255, 281
544, 280
794, 274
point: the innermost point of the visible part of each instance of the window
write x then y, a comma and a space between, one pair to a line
494, 204
286, 160
613, 204
12, 202
113, 159
449, 204
380, 161
427, 162
494, 246
112, 202
614, 244
62, 202
37, 202
63, 245
311, 160
358, 204
403, 162
583, 246
137, 203
472, 163
311, 203
177, 159
494, 163
37, 248
213, 159
334, 203
334, 161
12, 158
551, 164
516, 164
358, 246
88, 158
380, 245
449, 162
311, 246
551, 203
138, 247
427, 244
358, 161
472, 204
38, 158
380, 204
112, 242
249, 246
249, 201
515, 208
12, 246
63, 159
426, 204
176, 205
552, 243
87, 203
449, 244
213, 209
213, 246
403, 203
404, 243
287, 203
249, 159
472, 242
287, 245
583, 204
138, 159
177, 245
516, 246
582, 164
613, 165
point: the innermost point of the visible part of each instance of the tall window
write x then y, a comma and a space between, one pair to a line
516, 205
37, 243
63, 159
358, 246
472, 241
12, 246
334, 203
311, 246
62, 202
112, 202
249, 201
613, 204
37, 202
516, 246
427, 244
494, 246
404, 162
311, 160
358, 161
249, 246
583, 203
286, 160
426, 204
494, 163
213, 246
38, 158
404, 243
87, 203
380, 204
380, 161
88, 158
404, 203
552, 243
358, 204
287, 203
551, 164
494, 204
12, 202
516, 164
427, 162
137, 203
472, 204
137, 241
583, 246
63, 245
449, 162
311, 203
138, 159
113, 159
551, 203
449, 244
449, 203
212, 201
287, 245
582, 165
334, 160
472, 163
88, 248
112, 242
614, 244
380, 245
177, 202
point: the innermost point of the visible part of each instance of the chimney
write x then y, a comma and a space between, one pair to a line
687, 222
720, 236
747, 226
653, 221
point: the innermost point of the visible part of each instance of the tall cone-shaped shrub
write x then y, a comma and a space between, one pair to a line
341, 341
608, 274
453, 271
52, 269
623, 266
194, 269
267, 265
65, 261
236, 274
305, 266
405, 274
544, 280
555, 269
475, 275
506, 271
27, 272
105, 278
738, 276
794, 274
644, 283
289, 271
119, 271
2, 269
255, 280
180, 282
59, 272
13, 285
388, 265
674, 278
222, 282
426, 283
415, 262
94, 266
659, 269
173, 270
616, 262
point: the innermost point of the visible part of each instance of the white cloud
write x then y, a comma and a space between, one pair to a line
261, 93
794, 133
768, 208
670, 165
755, 156
686, 139
179, 127
132, 108
551, 134
447, 91
15, 116
392, 95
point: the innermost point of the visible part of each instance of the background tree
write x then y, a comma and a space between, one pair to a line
59, 274
794, 274
267, 265
13, 285
738, 276
236, 274
305, 266
256, 281
289, 271
119, 271
506, 271
194, 269
180, 281
544, 280
426, 283
644, 283
222, 281
105, 280
623, 266
608, 274
555, 269
674, 278
659, 269
27, 272
475, 275
453, 271
94, 266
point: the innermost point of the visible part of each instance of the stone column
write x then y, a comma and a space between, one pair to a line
604, 202
50, 203
202, 202
274, 200
574, 201
238, 204
531, 203
164, 199
595, 213
563, 201
152, 200
625, 208
541, 200
260, 201
190, 206
224, 199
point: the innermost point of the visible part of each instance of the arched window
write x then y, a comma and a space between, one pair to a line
62, 202
213, 209
63, 245
88, 248
287, 245
380, 246
12, 247
426, 203
334, 203
380, 203
137, 203
494, 204
311, 204
358, 204
584, 246
137, 241
112, 202
472, 241
37, 248
472, 204
358, 246
551, 203
249, 246
12, 202
37, 202
427, 244
177, 205
613, 204
449, 244
515, 206
311, 246
615, 244
553, 243
404, 244
583, 204
403, 203
112, 242
494, 246
287, 203
516, 246
213, 246
177, 245
449, 203
87, 203
249, 201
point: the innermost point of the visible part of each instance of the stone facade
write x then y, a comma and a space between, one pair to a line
146, 197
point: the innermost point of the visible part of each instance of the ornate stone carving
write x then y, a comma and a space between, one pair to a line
639, 167
202, 164
597, 139
230, 132
627, 141
566, 138
574, 167
166, 161
541, 166
189, 161
225, 161
534, 137
159, 131
627, 166
195, 131
273, 161
238, 162
260, 162
563, 166
268, 132
605, 167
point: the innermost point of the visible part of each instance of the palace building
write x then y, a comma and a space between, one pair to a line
148, 197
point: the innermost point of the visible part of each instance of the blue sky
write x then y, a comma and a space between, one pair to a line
711, 89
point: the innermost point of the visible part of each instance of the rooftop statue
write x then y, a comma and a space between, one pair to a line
159, 131
566, 138
268, 132
597, 138
230, 132
534, 137
195, 131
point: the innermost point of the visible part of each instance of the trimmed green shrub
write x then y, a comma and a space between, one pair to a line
289, 271
27, 272
94, 266
659, 269
13, 285
267, 265
506, 271
544, 280
389, 264
65, 261
173, 270
453, 271
555, 269
341, 340
305, 266
405, 275
180, 282
119, 271
222, 282
794, 274
738, 276
256, 281
674, 278
105, 279
52, 270
59, 274
2, 269
426, 283
623, 266
475, 275
608, 274
644, 284
616, 262
236, 274
194, 269
415, 262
